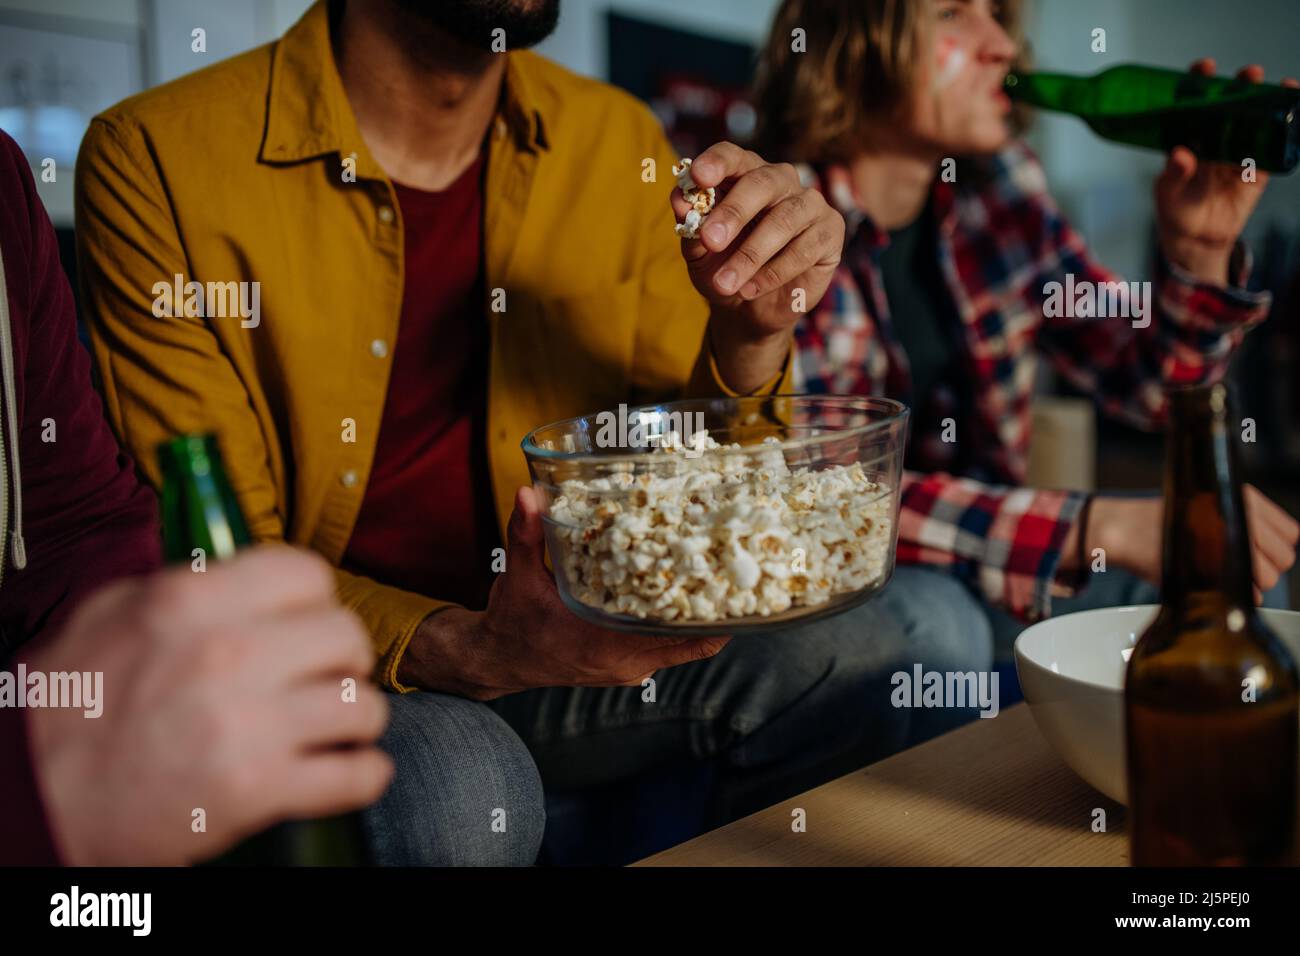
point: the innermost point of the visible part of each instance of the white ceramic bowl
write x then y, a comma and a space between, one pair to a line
1072, 672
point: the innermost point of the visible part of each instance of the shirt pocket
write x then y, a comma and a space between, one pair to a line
588, 343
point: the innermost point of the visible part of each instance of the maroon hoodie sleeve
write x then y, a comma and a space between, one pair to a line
85, 517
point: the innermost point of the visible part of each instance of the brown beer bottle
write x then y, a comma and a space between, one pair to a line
1211, 693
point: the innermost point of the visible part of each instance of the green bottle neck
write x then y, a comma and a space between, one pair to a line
188, 455
200, 514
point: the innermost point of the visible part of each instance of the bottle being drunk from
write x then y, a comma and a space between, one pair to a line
202, 522
1212, 710
1219, 119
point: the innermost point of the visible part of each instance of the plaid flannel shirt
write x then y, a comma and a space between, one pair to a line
1001, 241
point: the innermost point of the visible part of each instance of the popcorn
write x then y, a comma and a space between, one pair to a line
710, 533
701, 201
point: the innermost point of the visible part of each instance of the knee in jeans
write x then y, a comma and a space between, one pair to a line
466, 790
519, 817
946, 626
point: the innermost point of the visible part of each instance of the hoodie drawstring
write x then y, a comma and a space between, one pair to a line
9, 441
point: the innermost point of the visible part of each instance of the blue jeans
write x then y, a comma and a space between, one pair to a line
774, 713
465, 792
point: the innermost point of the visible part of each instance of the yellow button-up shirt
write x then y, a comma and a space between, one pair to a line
253, 171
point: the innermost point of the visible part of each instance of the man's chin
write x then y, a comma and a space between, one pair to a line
986, 140
491, 25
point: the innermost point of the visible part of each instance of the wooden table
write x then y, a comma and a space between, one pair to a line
991, 793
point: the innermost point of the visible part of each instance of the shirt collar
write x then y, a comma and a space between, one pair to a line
529, 103
308, 112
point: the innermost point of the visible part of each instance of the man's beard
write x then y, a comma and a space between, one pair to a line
473, 22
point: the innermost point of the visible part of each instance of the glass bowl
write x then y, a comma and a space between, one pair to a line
651, 528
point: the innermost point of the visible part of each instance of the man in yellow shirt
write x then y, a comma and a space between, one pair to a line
371, 256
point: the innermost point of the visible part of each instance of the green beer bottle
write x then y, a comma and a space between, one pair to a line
201, 520
1219, 119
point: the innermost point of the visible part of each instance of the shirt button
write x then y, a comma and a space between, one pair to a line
348, 478
379, 348
385, 214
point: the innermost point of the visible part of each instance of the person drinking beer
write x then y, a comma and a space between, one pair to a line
944, 296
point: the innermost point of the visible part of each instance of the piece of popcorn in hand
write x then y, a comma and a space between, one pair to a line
682, 170
701, 201
689, 228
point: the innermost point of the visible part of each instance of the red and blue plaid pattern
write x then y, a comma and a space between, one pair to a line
1001, 241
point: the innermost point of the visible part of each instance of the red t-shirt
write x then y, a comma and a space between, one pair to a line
427, 522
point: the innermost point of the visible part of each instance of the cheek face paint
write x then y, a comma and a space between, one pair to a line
951, 60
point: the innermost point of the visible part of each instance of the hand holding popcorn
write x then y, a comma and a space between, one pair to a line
762, 235
528, 638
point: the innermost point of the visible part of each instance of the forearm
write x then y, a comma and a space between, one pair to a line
744, 360
1187, 335
1108, 525
444, 656
1207, 261
1014, 562
1124, 532
1091, 529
